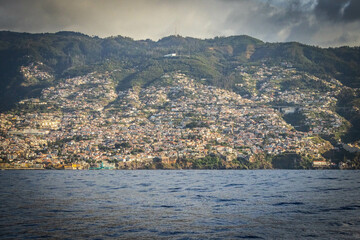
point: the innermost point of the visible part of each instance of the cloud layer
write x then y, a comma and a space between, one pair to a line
316, 22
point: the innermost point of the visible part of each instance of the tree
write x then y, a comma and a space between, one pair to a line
122, 145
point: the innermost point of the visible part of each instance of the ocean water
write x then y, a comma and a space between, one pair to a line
269, 204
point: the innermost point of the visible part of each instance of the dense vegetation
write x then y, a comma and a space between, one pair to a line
297, 119
348, 106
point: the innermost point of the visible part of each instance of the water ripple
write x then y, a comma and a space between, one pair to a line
277, 204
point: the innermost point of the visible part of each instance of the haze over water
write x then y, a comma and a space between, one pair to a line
180, 204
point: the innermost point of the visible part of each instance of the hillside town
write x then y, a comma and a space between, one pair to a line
84, 123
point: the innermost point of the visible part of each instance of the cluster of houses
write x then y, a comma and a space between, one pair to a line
33, 73
88, 125
317, 106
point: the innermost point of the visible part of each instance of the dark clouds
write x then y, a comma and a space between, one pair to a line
339, 10
322, 22
317, 22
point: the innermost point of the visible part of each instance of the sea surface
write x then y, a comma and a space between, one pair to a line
215, 204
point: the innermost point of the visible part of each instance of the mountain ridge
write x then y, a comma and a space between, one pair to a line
267, 73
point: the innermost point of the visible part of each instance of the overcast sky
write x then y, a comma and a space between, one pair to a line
316, 22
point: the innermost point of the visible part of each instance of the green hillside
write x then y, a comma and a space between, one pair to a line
142, 63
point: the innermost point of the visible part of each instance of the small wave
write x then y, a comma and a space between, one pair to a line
63, 211
175, 189
229, 200
171, 233
332, 189
30, 225
302, 212
116, 188
350, 207
164, 206
196, 189
340, 224
249, 237
144, 191
234, 185
167, 206
310, 236
107, 207
133, 230
145, 184
225, 200
288, 203
343, 208
274, 196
